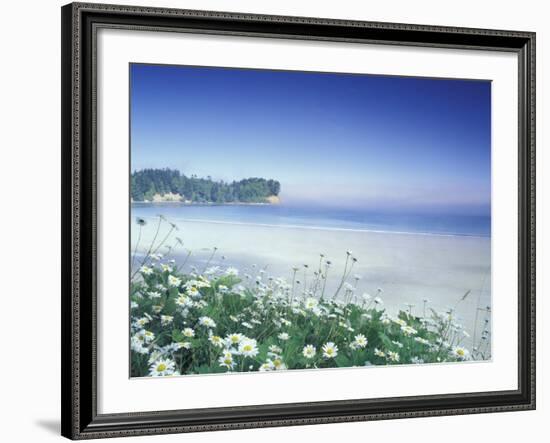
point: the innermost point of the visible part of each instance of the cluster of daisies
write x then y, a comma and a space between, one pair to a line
219, 320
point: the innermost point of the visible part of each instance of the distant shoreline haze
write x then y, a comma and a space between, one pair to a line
160, 185
387, 205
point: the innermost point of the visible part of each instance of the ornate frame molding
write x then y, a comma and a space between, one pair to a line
79, 391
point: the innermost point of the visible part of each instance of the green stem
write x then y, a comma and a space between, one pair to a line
136, 248
343, 278
209, 260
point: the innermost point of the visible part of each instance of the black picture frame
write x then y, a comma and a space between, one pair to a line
80, 22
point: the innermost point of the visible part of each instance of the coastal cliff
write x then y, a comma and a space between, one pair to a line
177, 198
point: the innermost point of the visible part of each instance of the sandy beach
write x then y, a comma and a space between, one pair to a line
408, 267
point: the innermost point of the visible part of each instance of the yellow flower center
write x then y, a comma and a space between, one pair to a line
460, 352
161, 367
247, 348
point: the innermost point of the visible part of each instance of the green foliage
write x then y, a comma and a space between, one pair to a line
148, 182
268, 315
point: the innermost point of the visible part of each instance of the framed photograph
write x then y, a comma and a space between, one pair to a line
273, 221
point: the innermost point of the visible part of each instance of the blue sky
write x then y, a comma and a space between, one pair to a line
378, 142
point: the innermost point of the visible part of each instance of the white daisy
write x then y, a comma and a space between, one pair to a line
393, 356
283, 336
188, 332
309, 351
379, 353
207, 321
360, 341
279, 364
173, 281
233, 339
201, 304
166, 319
154, 294
142, 321
248, 348
460, 353
184, 301
148, 336
192, 291
311, 303
408, 330
137, 344
330, 350
190, 283
146, 270
400, 322
226, 359
267, 366
216, 340
183, 345
162, 368
202, 282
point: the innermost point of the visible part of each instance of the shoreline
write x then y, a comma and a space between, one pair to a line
322, 228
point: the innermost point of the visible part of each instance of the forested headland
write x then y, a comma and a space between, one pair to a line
171, 185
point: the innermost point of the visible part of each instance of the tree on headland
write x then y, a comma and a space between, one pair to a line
147, 183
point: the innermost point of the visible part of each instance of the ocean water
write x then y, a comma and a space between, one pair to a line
412, 258
321, 217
